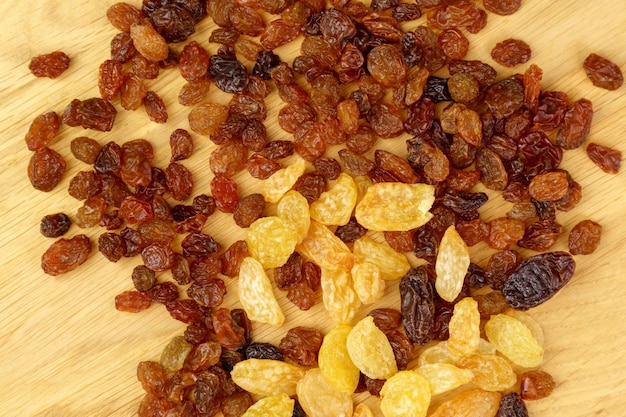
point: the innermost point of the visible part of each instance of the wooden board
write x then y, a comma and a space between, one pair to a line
67, 352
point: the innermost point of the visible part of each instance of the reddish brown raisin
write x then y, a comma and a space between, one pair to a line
602, 72
42, 130
49, 65
45, 169
608, 159
65, 255
535, 385
584, 238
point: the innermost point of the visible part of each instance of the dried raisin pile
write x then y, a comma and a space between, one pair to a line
336, 218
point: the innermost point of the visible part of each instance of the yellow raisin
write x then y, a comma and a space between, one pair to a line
439, 353
370, 350
368, 284
395, 206
295, 208
491, 372
362, 410
514, 340
320, 398
392, 264
464, 328
256, 294
473, 403
325, 249
406, 394
271, 240
334, 360
451, 265
279, 405
534, 327
335, 206
282, 180
267, 376
338, 295
444, 376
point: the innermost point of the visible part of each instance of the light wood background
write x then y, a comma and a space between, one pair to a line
65, 350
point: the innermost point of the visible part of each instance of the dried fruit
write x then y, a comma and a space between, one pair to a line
473, 403
417, 304
392, 265
256, 294
511, 52
393, 206
338, 294
335, 206
334, 360
55, 225
514, 340
444, 377
451, 265
293, 207
405, 394
537, 279
464, 328
535, 385
602, 72
267, 376
370, 350
491, 372
609, 160
584, 238
271, 240
65, 255
319, 398
282, 180
279, 405
50, 65
45, 169
324, 248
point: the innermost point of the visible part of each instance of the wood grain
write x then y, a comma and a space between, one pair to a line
67, 352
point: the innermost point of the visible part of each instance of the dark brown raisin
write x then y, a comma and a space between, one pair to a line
55, 225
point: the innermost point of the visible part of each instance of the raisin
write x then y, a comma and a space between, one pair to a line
50, 65
537, 279
417, 305
263, 351
608, 159
45, 169
512, 405
173, 22
224, 191
511, 52
602, 72
535, 385
502, 7
55, 225
249, 209
65, 255
112, 246
148, 41
85, 149
42, 130
179, 181
155, 107
584, 238
576, 125
228, 74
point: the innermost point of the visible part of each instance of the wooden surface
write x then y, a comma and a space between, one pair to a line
65, 350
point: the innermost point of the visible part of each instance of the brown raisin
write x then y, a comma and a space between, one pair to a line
602, 72
50, 65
